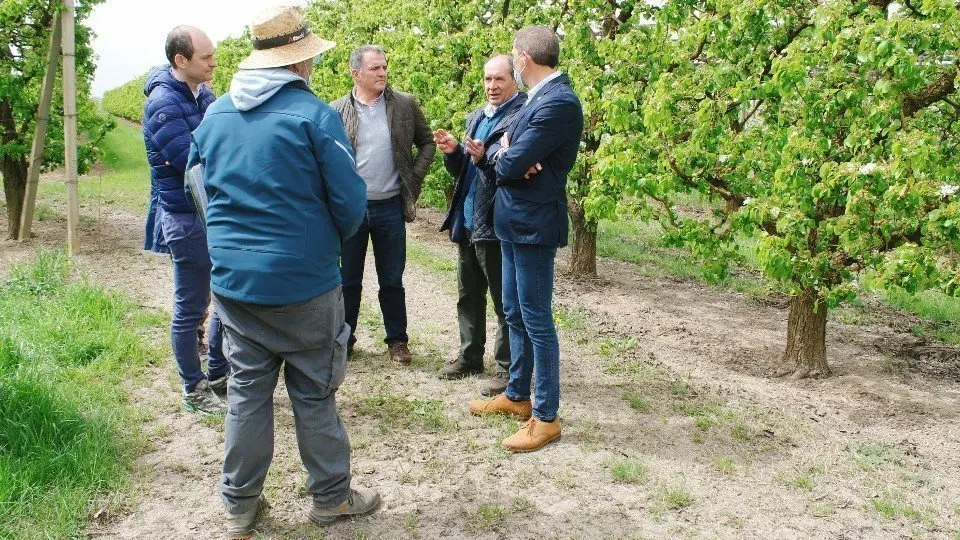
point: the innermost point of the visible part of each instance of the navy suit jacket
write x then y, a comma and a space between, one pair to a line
546, 131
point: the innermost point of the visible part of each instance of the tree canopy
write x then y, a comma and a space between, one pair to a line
25, 28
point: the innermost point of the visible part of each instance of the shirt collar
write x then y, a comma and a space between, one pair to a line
533, 91
489, 111
372, 105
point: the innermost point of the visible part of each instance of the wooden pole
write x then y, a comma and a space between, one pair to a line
70, 125
40, 131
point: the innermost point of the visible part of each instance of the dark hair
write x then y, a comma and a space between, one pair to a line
179, 42
541, 43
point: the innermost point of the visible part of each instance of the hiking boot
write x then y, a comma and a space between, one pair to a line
533, 435
202, 400
399, 352
240, 526
501, 404
219, 387
496, 385
456, 370
360, 501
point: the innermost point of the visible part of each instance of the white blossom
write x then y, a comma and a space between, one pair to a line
869, 168
747, 201
947, 190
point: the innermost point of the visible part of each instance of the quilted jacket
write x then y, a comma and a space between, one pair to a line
171, 113
456, 164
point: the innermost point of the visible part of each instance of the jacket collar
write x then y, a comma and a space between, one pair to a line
560, 78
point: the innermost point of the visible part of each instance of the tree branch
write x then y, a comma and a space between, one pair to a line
930, 94
913, 9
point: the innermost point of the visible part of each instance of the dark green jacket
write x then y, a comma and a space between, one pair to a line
409, 130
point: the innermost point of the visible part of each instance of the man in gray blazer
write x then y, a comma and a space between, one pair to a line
384, 127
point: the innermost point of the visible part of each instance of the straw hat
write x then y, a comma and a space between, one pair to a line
281, 37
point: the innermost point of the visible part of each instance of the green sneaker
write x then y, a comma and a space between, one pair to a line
202, 400
360, 501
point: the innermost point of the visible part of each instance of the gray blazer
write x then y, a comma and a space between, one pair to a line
408, 130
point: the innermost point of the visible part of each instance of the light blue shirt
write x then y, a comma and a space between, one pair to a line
533, 91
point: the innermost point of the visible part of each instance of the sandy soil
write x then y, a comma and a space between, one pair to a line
721, 449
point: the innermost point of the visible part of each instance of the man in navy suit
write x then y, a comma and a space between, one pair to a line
530, 219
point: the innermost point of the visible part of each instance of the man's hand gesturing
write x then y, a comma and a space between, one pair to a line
445, 141
475, 148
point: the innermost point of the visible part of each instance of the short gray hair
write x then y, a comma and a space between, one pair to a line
541, 43
356, 57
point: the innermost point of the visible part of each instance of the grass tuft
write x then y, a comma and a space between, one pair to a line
628, 471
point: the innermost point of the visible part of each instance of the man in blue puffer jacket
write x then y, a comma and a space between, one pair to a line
176, 102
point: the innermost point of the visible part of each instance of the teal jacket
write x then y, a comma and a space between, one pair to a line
283, 194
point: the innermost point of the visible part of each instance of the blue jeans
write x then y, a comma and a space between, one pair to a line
528, 308
187, 241
384, 226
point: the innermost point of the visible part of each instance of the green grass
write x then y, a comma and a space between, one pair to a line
634, 241
724, 465
124, 183
676, 498
892, 506
628, 471
940, 312
67, 432
397, 414
424, 257
638, 402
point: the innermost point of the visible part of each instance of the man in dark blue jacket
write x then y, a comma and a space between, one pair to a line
283, 196
470, 222
530, 218
176, 101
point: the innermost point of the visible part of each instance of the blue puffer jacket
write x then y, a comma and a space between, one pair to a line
283, 194
169, 116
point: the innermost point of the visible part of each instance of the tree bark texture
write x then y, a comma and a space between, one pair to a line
583, 251
806, 336
14, 187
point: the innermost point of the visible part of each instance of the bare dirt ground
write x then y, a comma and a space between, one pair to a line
672, 426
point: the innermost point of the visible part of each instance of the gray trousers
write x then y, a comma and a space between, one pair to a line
309, 340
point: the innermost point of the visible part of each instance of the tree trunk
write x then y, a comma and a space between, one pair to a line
14, 188
583, 252
806, 336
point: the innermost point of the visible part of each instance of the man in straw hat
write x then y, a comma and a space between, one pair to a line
384, 126
283, 195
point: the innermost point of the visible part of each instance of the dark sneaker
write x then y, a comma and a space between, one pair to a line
496, 385
240, 526
399, 352
360, 501
219, 387
456, 370
202, 400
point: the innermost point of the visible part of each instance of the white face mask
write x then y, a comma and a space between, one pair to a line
517, 74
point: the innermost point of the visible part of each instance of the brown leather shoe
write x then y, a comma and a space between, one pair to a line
501, 404
399, 352
533, 435
496, 385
